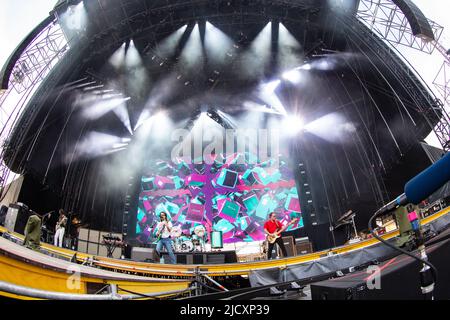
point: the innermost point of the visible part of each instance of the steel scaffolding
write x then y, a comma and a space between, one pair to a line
33, 65
385, 19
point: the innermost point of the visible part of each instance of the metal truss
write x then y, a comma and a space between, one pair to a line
386, 19
33, 65
442, 80
39, 58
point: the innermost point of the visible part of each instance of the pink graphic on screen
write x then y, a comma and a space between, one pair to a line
226, 196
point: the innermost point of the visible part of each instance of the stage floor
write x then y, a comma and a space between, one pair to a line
45, 271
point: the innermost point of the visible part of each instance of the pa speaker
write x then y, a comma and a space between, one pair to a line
419, 23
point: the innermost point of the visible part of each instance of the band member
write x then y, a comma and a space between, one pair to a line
74, 230
164, 228
60, 229
33, 232
273, 227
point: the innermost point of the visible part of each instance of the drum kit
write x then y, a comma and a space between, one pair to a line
185, 243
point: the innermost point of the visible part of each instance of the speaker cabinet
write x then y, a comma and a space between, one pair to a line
290, 246
304, 247
16, 218
215, 259
144, 254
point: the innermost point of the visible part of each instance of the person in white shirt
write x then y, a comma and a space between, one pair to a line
60, 229
163, 229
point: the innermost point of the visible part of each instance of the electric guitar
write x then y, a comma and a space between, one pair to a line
159, 233
271, 238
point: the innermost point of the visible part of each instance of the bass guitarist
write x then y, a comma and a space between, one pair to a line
273, 228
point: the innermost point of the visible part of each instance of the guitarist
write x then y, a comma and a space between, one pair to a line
60, 229
164, 228
273, 228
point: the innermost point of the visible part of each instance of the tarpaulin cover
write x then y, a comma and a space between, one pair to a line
331, 264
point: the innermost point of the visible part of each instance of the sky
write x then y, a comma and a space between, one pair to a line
19, 17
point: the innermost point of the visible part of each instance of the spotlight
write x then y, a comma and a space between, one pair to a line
270, 87
306, 66
160, 116
292, 124
293, 76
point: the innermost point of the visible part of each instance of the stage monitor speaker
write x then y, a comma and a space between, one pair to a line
215, 259
16, 218
144, 254
181, 258
199, 258
290, 246
418, 22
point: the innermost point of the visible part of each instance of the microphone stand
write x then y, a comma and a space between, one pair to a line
426, 276
428, 273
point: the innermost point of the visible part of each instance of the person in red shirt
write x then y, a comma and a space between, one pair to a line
273, 227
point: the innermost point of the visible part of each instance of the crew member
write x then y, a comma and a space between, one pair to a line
60, 229
33, 232
164, 227
273, 228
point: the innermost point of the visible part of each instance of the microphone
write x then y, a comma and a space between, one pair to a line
428, 181
423, 185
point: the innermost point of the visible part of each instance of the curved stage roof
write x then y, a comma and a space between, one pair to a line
361, 79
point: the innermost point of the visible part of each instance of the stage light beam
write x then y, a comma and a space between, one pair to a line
192, 54
268, 95
294, 76
218, 45
288, 49
332, 127
102, 107
75, 18
257, 57
117, 60
166, 48
97, 143
133, 58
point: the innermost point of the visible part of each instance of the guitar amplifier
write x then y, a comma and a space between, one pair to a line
16, 218
290, 246
303, 247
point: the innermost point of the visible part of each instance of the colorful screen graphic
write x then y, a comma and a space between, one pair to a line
230, 195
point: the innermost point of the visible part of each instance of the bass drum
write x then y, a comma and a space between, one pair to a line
186, 246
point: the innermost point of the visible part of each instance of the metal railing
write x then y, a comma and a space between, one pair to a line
112, 295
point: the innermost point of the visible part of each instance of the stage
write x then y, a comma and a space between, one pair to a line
149, 277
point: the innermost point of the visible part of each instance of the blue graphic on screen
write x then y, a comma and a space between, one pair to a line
229, 195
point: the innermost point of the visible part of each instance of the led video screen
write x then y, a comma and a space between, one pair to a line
232, 195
